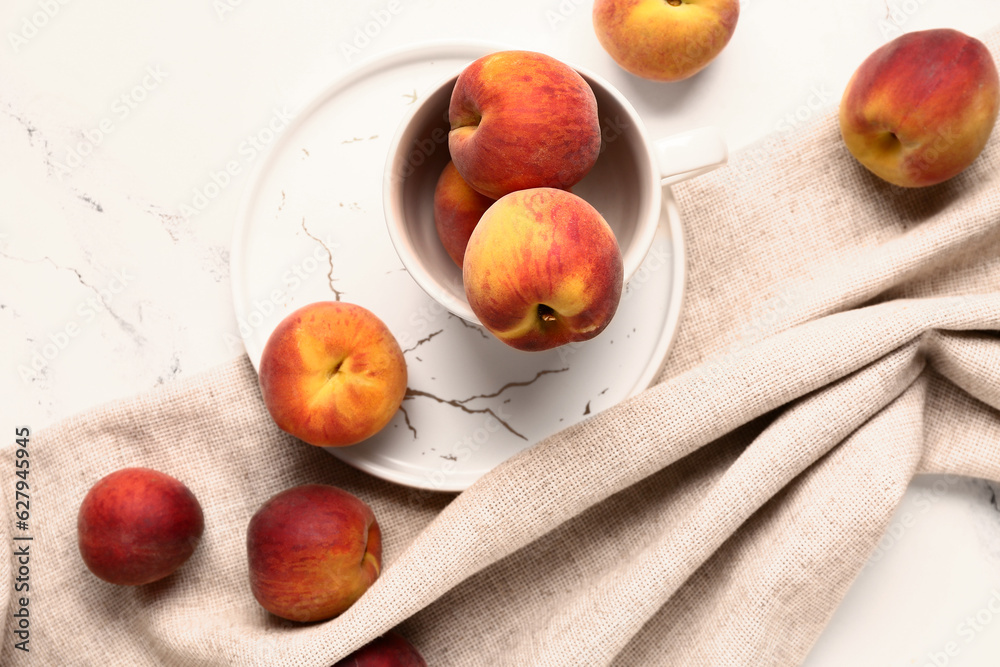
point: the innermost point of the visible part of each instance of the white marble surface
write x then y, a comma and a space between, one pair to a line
115, 116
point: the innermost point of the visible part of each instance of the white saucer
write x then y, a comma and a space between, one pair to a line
311, 228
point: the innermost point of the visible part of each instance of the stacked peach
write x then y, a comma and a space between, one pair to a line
541, 267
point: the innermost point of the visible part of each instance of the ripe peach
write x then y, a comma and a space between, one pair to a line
313, 550
138, 525
664, 40
389, 650
542, 269
920, 109
521, 119
332, 374
457, 210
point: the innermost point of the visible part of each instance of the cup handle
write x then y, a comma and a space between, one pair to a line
689, 154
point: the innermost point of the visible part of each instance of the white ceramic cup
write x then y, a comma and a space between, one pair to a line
625, 185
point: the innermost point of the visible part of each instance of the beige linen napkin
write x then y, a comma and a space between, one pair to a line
839, 337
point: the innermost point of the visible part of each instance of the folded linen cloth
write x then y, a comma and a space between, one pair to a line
839, 337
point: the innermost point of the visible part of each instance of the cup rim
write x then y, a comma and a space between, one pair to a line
642, 239
632, 257
394, 219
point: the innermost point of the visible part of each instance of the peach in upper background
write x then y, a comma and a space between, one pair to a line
664, 40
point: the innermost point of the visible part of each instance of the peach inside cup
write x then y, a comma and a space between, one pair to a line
624, 186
